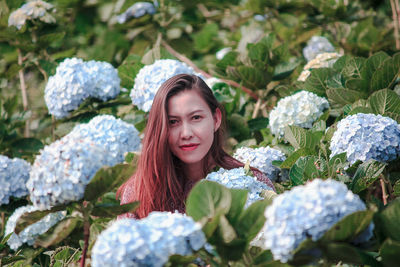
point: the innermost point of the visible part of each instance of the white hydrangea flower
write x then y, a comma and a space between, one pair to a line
221, 53
76, 80
62, 170
147, 242
13, 176
151, 77
30, 233
36, 9
367, 136
300, 109
138, 10
261, 158
116, 136
317, 45
324, 60
237, 179
307, 211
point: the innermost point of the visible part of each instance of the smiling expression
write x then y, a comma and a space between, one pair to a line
191, 126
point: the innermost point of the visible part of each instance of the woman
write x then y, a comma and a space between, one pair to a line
183, 142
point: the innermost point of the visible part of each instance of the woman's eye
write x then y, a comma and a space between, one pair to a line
196, 117
172, 122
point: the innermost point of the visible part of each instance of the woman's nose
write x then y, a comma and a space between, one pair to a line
186, 132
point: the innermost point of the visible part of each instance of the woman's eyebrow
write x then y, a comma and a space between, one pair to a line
189, 114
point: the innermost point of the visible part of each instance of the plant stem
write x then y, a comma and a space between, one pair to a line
23, 91
256, 108
205, 74
396, 21
86, 234
384, 193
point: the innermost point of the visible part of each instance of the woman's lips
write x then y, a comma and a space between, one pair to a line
189, 147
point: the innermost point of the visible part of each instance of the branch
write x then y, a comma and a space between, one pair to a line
396, 21
205, 74
384, 193
23, 91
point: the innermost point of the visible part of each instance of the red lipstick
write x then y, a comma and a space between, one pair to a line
189, 147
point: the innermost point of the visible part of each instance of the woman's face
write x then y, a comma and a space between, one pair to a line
191, 126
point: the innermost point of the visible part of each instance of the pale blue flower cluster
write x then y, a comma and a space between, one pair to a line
237, 179
137, 10
150, 78
62, 170
147, 242
30, 233
13, 176
261, 158
76, 80
367, 136
36, 9
307, 211
300, 109
115, 135
317, 45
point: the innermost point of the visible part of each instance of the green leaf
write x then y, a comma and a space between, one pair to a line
284, 69
51, 38
385, 75
8, 260
300, 138
367, 173
343, 96
358, 84
58, 232
372, 64
106, 179
317, 82
63, 255
289, 161
389, 220
113, 209
239, 198
385, 100
258, 124
205, 39
63, 54
29, 218
252, 220
27, 145
390, 251
304, 169
226, 231
396, 188
128, 70
304, 253
348, 227
342, 252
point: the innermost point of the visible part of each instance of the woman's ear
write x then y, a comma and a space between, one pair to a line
217, 119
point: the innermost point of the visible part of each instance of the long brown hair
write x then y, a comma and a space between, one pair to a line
158, 183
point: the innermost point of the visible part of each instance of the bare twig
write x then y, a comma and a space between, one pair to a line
205, 74
396, 22
23, 91
384, 193
256, 109
86, 234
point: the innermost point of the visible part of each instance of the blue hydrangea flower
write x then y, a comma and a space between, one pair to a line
13, 176
36, 9
237, 179
30, 233
138, 10
307, 211
317, 45
150, 78
62, 170
261, 158
76, 80
116, 136
147, 242
367, 136
300, 109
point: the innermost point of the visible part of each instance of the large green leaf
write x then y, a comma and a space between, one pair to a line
358, 84
367, 173
300, 138
348, 227
385, 100
128, 70
29, 218
343, 96
27, 145
106, 179
58, 232
252, 220
258, 124
317, 82
226, 230
342, 252
372, 64
205, 39
385, 75
304, 169
239, 198
289, 161
390, 251
389, 220
113, 209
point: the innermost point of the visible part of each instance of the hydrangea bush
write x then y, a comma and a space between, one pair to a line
147, 242
150, 78
36, 9
323, 60
137, 10
300, 109
13, 176
367, 136
261, 158
307, 211
30, 233
315, 46
237, 179
76, 80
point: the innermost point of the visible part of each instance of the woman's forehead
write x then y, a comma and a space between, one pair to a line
186, 103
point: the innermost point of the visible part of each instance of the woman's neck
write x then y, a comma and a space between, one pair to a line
194, 172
